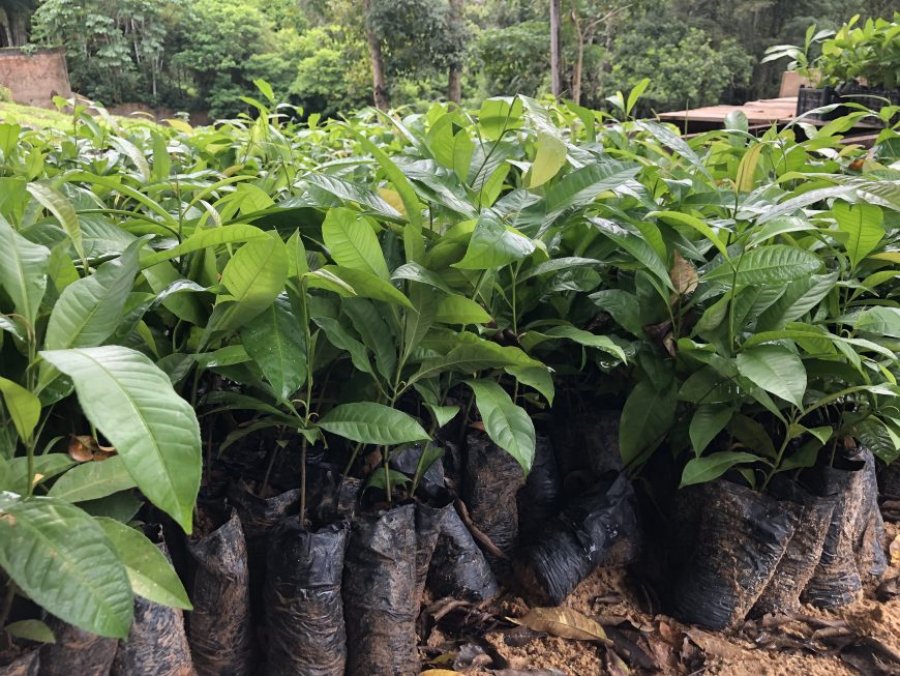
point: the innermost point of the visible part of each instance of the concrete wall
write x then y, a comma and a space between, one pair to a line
34, 79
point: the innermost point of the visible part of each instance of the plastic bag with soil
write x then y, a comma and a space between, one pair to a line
492, 480
598, 528
379, 594
852, 535
458, 567
587, 441
406, 460
26, 664
542, 497
429, 521
304, 608
804, 550
221, 631
76, 652
739, 542
331, 496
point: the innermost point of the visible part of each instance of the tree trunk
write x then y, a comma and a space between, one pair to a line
578, 68
454, 76
379, 80
555, 48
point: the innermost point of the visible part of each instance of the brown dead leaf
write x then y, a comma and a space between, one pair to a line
564, 623
683, 275
615, 665
713, 645
84, 448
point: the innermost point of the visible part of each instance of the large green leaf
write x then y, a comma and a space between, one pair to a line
456, 309
62, 209
368, 285
701, 470
352, 242
62, 559
93, 480
276, 341
708, 420
89, 311
23, 271
568, 332
155, 431
149, 571
775, 369
509, 426
474, 354
254, 277
862, 225
494, 245
202, 239
548, 160
371, 423
773, 264
884, 321
23, 406
647, 416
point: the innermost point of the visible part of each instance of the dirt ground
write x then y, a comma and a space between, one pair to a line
863, 638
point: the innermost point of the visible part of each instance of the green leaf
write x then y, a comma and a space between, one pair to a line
647, 416
89, 311
773, 264
62, 560
185, 306
752, 435
367, 285
254, 277
376, 333
509, 426
275, 340
31, 630
576, 335
456, 309
202, 239
371, 423
701, 470
352, 242
416, 273
93, 480
442, 414
548, 160
149, 571
155, 431
706, 424
494, 245
862, 224
884, 321
537, 377
62, 209
474, 354
776, 370
23, 271
23, 406
694, 223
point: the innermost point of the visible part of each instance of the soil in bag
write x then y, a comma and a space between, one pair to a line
220, 626
542, 497
492, 480
598, 528
458, 567
836, 581
868, 543
587, 441
156, 644
889, 480
25, 664
739, 542
304, 608
804, 550
379, 594
76, 651
429, 522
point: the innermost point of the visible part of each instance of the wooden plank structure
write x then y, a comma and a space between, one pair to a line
764, 112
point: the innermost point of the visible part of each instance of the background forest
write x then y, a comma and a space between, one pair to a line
203, 55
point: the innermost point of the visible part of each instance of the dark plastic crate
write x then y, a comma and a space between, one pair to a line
810, 98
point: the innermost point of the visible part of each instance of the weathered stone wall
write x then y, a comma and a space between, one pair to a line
34, 79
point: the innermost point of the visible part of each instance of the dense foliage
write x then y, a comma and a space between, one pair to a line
204, 55
357, 286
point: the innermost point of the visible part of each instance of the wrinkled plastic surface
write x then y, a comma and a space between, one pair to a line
429, 522
804, 550
542, 497
458, 567
23, 665
221, 631
379, 594
598, 528
741, 537
406, 461
331, 497
75, 652
492, 480
853, 550
304, 608
588, 441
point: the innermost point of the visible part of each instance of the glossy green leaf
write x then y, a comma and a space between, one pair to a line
371, 423
706, 424
149, 571
156, 433
456, 309
352, 242
646, 418
23, 271
494, 245
776, 370
24, 407
93, 480
62, 209
63, 560
202, 239
702, 470
509, 426
275, 340
548, 160
367, 285
862, 226
773, 264
30, 630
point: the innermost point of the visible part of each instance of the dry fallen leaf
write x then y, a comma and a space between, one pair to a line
564, 623
683, 275
84, 448
713, 645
